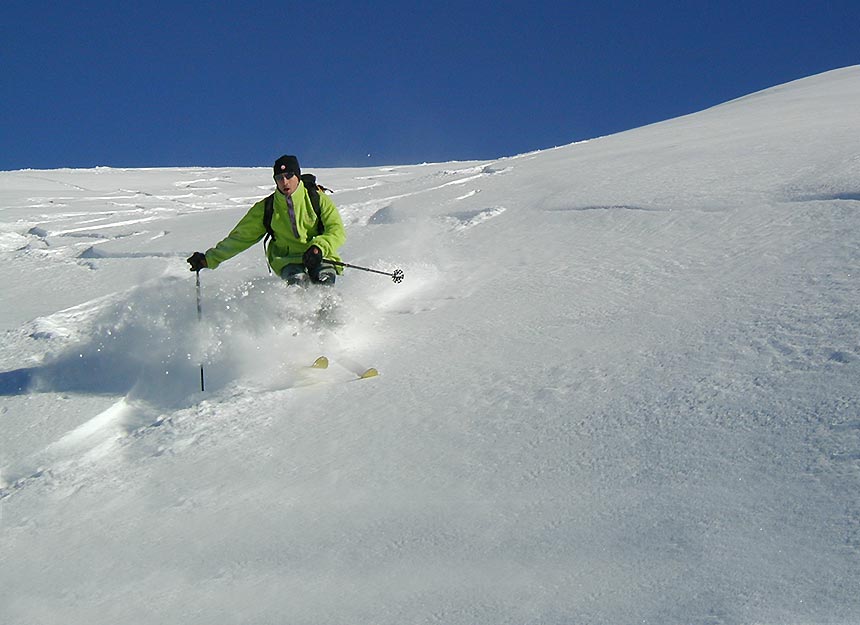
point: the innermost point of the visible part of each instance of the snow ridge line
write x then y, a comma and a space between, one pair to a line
129, 419
85, 444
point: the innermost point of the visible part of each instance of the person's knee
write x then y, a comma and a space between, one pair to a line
298, 278
326, 276
295, 274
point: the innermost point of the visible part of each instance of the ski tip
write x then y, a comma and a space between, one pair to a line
370, 373
320, 363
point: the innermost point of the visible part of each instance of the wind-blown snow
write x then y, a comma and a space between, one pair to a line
619, 384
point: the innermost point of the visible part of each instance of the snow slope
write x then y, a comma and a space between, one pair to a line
619, 384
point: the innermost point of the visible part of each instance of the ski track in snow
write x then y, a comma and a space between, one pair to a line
109, 350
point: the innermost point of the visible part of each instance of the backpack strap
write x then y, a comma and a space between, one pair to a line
268, 211
310, 182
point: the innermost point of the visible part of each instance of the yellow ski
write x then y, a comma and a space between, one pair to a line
322, 363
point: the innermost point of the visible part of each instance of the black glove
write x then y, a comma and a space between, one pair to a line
312, 258
197, 261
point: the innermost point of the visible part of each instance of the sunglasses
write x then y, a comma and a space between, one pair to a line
284, 176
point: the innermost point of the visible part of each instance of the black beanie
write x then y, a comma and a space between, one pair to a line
288, 162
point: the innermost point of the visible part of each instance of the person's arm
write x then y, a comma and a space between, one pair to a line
247, 232
334, 234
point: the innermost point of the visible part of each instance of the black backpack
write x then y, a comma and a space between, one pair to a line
310, 182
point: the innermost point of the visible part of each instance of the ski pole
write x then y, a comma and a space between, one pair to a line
199, 320
396, 275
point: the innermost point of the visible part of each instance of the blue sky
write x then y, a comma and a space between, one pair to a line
136, 84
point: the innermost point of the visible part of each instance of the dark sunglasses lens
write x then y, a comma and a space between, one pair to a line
284, 176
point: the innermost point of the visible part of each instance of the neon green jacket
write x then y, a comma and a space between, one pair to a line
286, 248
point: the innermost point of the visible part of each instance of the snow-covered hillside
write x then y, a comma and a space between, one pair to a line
619, 384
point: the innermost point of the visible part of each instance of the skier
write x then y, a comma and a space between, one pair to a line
301, 238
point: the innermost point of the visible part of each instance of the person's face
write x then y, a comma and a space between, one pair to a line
287, 182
